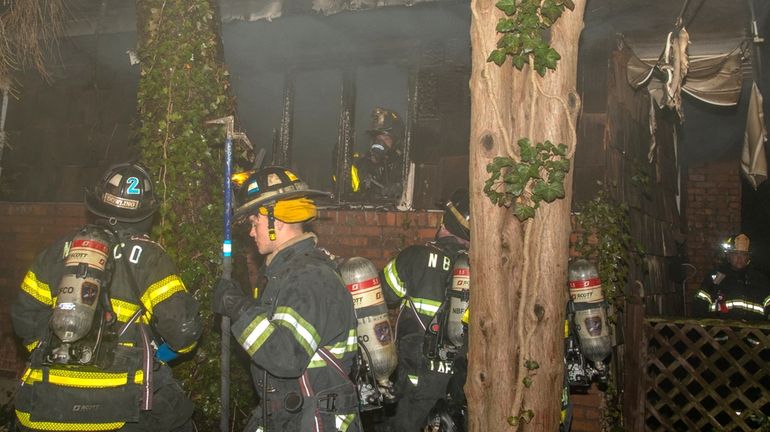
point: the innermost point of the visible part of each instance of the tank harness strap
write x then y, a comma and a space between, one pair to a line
147, 357
308, 393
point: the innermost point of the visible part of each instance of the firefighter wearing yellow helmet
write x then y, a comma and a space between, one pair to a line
300, 331
734, 290
87, 309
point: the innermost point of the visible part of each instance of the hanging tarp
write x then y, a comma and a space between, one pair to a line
753, 157
714, 79
665, 76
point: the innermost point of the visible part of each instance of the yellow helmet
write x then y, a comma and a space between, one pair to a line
736, 243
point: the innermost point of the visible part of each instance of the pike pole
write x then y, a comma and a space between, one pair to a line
227, 270
227, 261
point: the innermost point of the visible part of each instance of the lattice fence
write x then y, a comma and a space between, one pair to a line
706, 375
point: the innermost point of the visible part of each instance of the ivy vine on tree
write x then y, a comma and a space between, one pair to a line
522, 33
538, 176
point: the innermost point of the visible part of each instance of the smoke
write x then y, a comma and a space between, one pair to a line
379, 46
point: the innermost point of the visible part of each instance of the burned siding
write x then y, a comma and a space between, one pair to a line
413, 60
615, 149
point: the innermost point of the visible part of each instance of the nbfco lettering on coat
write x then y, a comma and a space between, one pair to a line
433, 261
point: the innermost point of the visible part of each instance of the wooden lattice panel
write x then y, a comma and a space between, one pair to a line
706, 375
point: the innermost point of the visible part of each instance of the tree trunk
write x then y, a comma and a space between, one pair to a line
519, 269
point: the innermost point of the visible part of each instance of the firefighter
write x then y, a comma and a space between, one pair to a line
300, 331
377, 174
416, 280
143, 298
735, 290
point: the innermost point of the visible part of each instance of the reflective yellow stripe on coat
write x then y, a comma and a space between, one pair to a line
37, 289
355, 181
80, 379
24, 419
162, 290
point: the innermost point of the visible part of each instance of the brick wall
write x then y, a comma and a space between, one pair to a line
587, 411
24, 230
376, 235
713, 212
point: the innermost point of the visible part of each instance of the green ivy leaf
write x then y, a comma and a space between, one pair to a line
505, 25
507, 6
527, 152
531, 364
499, 162
519, 61
549, 191
551, 58
534, 171
497, 56
510, 43
527, 416
568, 4
515, 188
523, 212
558, 165
550, 12
557, 176
527, 381
521, 172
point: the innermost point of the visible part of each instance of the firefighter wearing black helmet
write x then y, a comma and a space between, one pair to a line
734, 290
144, 318
377, 174
416, 281
300, 331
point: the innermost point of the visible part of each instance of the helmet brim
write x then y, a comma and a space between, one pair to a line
97, 207
374, 132
253, 206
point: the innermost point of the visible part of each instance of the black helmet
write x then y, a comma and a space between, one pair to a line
268, 185
124, 193
457, 214
388, 122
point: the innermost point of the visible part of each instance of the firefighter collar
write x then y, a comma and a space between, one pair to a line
287, 244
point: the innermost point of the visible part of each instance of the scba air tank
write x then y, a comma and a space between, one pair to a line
87, 268
374, 331
459, 296
590, 318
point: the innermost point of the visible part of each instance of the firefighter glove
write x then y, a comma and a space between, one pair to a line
229, 299
165, 354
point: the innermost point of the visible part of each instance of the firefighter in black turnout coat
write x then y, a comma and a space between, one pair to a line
735, 290
416, 280
300, 331
376, 175
97, 382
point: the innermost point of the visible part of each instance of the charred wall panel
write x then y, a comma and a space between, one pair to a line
648, 180
615, 147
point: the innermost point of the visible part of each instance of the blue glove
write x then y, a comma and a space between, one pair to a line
165, 354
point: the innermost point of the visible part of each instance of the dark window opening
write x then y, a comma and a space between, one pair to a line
306, 87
